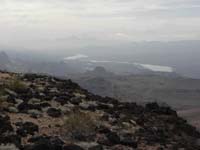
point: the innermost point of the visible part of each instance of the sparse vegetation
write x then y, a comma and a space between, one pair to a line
2, 102
8, 147
2, 98
80, 124
16, 85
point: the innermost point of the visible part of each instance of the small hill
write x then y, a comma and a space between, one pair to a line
40, 112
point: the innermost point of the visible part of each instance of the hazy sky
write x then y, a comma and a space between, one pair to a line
43, 24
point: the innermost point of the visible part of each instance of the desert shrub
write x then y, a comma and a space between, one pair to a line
16, 85
3, 103
2, 90
80, 124
2, 97
8, 147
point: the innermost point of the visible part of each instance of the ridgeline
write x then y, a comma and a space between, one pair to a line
40, 112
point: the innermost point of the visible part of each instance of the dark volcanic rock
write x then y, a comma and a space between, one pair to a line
45, 143
72, 147
97, 147
32, 77
36, 139
11, 99
128, 140
75, 100
7, 139
5, 125
53, 112
24, 107
103, 129
26, 128
113, 138
63, 99
155, 108
44, 105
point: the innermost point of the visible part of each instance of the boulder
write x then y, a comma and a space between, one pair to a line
45, 143
128, 140
90, 105
103, 140
63, 99
34, 101
24, 107
18, 101
53, 112
72, 147
35, 139
122, 147
26, 128
11, 93
97, 147
13, 109
11, 99
35, 113
103, 129
113, 138
11, 139
76, 100
44, 105
5, 125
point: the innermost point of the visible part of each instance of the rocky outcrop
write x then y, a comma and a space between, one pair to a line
49, 113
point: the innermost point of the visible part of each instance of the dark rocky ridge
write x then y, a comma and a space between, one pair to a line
33, 118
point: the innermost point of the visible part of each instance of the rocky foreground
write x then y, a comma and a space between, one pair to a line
46, 113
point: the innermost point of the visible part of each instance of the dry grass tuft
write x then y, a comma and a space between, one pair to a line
16, 85
80, 124
8, 147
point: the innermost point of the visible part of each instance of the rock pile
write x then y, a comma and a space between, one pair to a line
40, 112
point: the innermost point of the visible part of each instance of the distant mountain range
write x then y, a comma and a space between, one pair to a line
181, 56
85, 63
79, 64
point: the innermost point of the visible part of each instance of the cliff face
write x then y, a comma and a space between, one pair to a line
45, 113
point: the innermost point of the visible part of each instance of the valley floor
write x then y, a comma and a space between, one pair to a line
192, 115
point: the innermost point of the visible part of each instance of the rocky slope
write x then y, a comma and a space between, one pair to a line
40, 112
